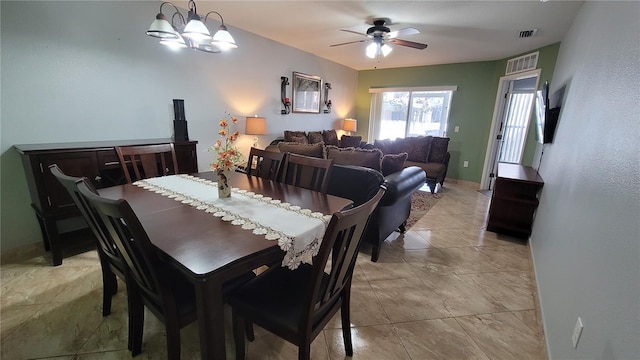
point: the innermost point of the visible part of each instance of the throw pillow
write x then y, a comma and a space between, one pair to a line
439, 148
355, 156
392, 163
288, 135
315, 137
313, 150
350, 141
417, 147
330, 137
299, 139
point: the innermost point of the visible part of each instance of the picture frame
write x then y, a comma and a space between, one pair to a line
306, 94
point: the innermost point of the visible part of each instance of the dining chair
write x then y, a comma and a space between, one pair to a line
143, 159
307, 172
267, 163
150, 282
297, 304
111, 262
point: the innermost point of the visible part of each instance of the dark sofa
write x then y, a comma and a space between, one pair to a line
357, 175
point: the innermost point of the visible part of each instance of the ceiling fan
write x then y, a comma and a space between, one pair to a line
380, 35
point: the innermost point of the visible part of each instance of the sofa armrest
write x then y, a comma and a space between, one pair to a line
356, 183
402, 184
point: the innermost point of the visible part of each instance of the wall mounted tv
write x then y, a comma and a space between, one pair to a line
546, 117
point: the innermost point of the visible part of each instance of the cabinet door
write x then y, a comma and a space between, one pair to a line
186, 155
78, 164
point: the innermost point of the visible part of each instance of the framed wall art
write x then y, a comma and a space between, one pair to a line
306, 93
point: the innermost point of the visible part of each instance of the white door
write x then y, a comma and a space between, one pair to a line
512, 115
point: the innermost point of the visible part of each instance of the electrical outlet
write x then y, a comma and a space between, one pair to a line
456, 129
577, 331
465, 164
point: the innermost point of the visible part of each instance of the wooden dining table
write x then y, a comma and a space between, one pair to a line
210, 251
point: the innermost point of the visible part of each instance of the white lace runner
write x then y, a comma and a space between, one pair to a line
299, 231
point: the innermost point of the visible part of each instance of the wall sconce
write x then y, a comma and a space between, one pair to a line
256, 125
327, 102
284, 81
191, 33
350, 125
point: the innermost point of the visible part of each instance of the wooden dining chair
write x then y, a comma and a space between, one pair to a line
307, 172
297, 304
150, 282
111, 262
267, 163
147, 160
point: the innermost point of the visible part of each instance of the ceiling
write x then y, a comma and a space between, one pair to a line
456, 31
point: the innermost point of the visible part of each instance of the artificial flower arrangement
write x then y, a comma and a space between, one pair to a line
229, 157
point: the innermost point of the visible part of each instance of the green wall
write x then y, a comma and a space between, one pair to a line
471, 106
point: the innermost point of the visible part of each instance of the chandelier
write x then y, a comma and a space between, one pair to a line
192, 33
378, 49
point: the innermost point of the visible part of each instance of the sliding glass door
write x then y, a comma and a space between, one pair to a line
399, 114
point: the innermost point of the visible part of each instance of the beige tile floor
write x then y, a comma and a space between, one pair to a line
447, 289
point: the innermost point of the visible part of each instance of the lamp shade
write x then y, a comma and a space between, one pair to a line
256, 125
350, 125
161, 28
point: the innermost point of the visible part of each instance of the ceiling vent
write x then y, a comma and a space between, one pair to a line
522, 63
528, 33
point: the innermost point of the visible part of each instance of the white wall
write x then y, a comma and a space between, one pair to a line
82, 71
586, 236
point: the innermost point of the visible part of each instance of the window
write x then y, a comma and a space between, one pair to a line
399, 113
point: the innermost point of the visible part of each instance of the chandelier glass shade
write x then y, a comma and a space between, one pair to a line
192, 32
377, 49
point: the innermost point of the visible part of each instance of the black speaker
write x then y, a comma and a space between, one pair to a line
180, 132
178, 109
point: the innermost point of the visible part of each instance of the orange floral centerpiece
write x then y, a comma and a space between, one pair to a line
228, 156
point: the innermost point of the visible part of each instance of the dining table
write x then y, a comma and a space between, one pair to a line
208, 248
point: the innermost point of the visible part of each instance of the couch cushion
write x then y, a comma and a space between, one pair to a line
289, 135
330, 137
350, 141
392, 163
355, 156
433, 170
313, 150
439, 148
315, 137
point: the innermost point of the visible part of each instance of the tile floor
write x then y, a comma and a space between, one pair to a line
446, 289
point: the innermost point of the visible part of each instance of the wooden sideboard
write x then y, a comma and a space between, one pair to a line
515, 200
64, 232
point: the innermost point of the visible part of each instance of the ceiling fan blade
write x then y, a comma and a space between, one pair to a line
403, 32
354, 32
410, 44
349, 42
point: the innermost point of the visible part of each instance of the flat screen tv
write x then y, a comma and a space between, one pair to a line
546, 117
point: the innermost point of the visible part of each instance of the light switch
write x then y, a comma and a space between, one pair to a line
456, 129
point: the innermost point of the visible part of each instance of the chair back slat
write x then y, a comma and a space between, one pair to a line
268, 163
147, 161
132, 241
307, 172
341, 241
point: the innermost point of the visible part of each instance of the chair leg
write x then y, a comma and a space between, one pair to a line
346, 323
239, 333
403, 227
304, 351
375, 252
173, 338
136, 321
248, 326
109, 289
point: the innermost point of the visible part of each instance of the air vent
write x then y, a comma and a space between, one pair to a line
528, 33
522, 63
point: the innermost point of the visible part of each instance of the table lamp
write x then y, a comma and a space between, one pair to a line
350, 125
256, 125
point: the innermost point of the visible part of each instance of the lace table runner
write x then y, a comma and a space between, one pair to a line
299, 231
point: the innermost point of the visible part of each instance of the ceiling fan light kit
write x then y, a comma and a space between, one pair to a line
380, 35
192, 33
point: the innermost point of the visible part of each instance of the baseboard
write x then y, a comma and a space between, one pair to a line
22, 253
469, 184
